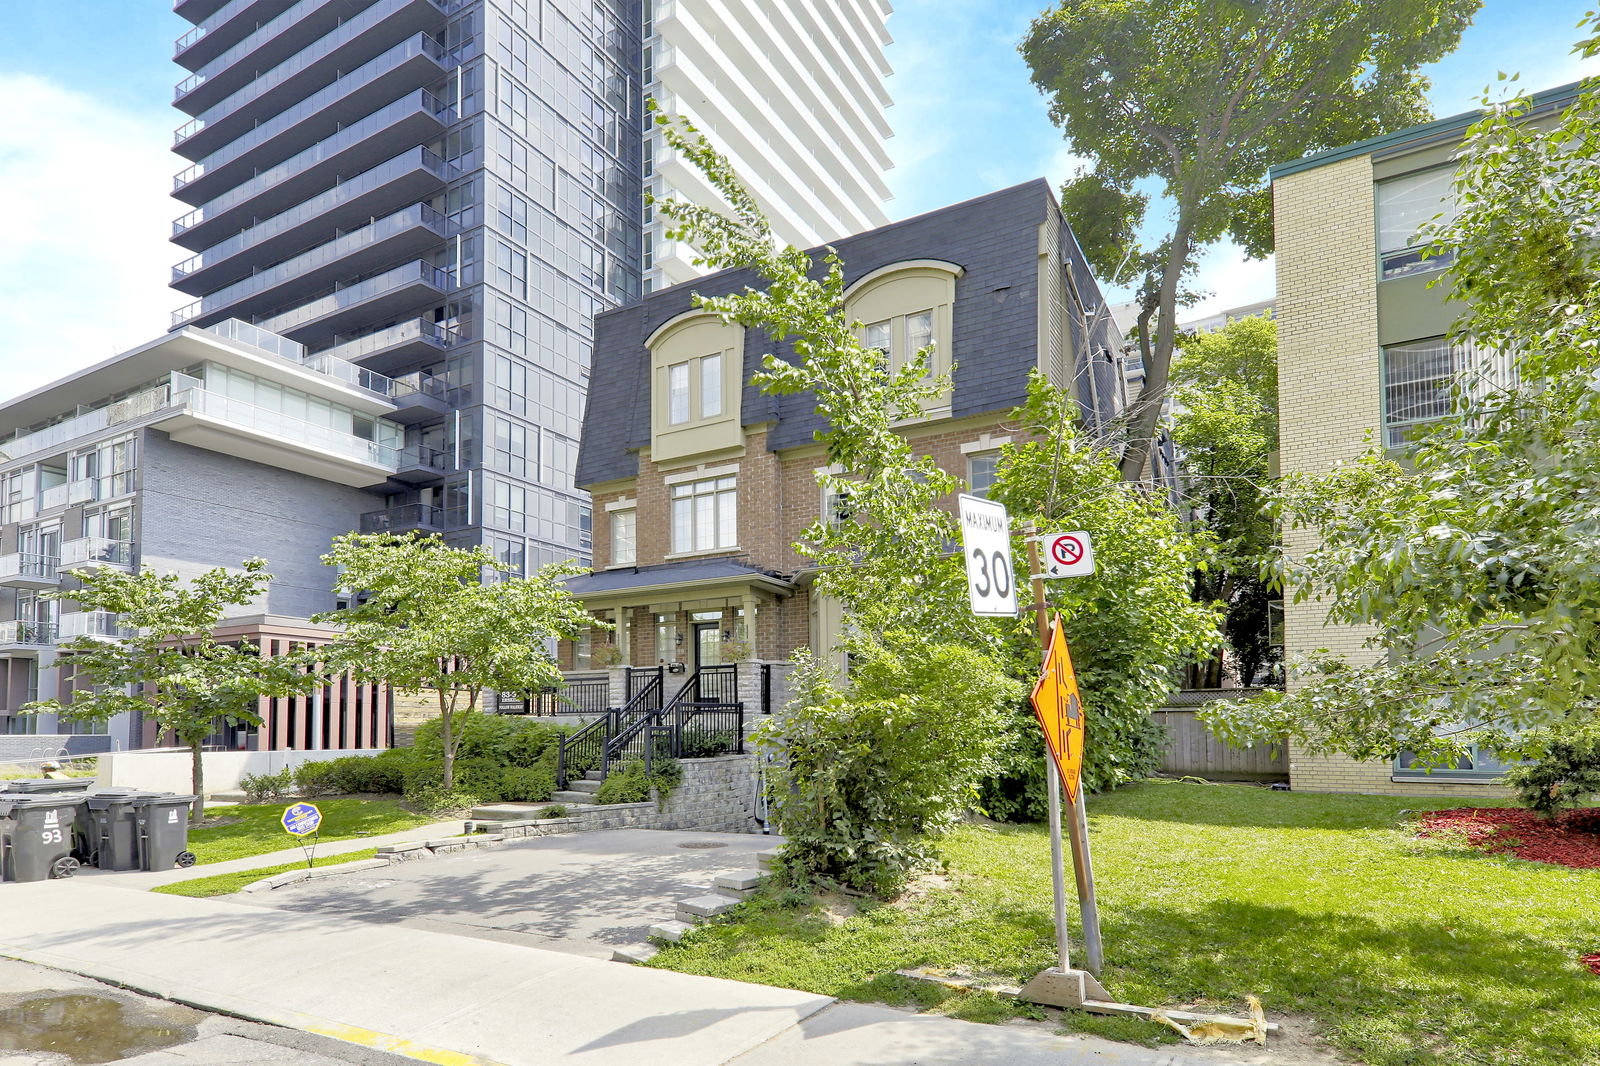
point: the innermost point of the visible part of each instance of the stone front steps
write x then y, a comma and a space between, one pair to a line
726, 891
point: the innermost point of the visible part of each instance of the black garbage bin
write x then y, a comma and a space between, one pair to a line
35, 785
36, 836
163, 831
108, 828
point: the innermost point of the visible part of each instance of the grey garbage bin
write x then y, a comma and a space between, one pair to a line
163, 831
108, 828
36, 837
34, 785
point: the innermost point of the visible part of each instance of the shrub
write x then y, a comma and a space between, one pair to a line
385, 773
869, 774
527, 784
434, 799
313, 779
259, 788
484, 778
1567, 771
555, 810
630, 783
503, 740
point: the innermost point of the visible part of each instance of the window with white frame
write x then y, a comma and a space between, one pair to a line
982, 468
905, 308
705, 515
624, 538
695, 362
1405, 205
694, 390
1417, 382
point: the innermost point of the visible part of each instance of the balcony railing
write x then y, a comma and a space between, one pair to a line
106, 487
350, 295
28, 566
383, 339
293, 352
419, 516
298, 163
421, 44
424, 457
26, 632
58, 434
54, 497
96, 551
100, 624
378, 176
249, 44
265, 420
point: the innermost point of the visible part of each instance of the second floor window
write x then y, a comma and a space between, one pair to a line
1417, 379
705, 515
981, 472
694, 390
624, 542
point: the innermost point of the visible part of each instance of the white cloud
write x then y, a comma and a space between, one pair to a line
85, 261
1230, 280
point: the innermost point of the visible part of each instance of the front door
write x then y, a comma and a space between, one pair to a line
707, 644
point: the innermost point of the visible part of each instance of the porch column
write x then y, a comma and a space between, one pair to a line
750, 625
625, 634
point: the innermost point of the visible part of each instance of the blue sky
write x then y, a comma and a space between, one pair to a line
89, 84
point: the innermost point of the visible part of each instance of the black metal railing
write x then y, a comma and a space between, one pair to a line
701, 730
584, 750
590, 695
646, 683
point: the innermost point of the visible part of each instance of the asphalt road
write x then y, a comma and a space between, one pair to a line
583, 894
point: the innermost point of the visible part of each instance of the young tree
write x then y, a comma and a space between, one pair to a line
1475, 562
1225, 425
1131, 625
425, 618
1202, 97
171, 668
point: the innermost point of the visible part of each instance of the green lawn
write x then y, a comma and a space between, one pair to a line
222, 884
1402, 951
259, 830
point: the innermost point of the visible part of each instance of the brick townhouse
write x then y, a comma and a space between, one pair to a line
1364, 357
702, 484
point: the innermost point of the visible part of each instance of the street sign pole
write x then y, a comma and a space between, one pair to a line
1052, 775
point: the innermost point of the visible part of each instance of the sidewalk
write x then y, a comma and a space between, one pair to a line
144, 881
459, 1000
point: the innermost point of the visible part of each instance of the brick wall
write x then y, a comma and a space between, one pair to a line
1330, 405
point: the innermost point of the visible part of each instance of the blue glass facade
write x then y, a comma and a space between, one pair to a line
442, 191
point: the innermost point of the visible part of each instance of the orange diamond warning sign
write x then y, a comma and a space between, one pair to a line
1059, 708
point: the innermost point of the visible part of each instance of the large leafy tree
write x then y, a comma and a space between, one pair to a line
1225, 425
1131, 625
1201, 97
1474, 561
426, 618
168, 666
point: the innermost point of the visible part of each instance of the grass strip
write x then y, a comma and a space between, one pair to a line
222, 884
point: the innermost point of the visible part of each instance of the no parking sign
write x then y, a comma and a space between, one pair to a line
1068, 554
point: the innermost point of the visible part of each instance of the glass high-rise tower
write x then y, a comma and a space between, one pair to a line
443, 192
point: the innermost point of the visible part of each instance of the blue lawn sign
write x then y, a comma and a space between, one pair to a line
302, 819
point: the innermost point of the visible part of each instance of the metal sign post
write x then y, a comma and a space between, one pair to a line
302, 820
1060, 710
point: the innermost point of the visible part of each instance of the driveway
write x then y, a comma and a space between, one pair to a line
583, 894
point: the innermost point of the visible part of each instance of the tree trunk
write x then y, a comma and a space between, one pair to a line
197, 781
445, 742
1146, 413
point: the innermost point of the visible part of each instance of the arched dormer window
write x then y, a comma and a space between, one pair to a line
696, 369
906, 306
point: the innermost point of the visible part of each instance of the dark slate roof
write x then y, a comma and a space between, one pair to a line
994, 238
644, 577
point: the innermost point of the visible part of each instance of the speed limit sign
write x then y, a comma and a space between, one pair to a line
986, 545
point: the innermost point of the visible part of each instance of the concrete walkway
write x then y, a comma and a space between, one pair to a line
153, 878
459, 1000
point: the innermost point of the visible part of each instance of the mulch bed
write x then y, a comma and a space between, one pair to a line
1569, 840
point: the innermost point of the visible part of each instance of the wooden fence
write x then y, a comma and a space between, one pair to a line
1191, 749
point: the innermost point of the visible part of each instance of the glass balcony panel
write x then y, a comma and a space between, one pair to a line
302, 162
419, 516
96, 551
101, 624
418, 272
53, 498
28, 569
420, 45
394, 336
25, 632
281, 223
264, 420
233, 329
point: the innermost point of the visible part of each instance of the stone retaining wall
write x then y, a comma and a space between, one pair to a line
717, 795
